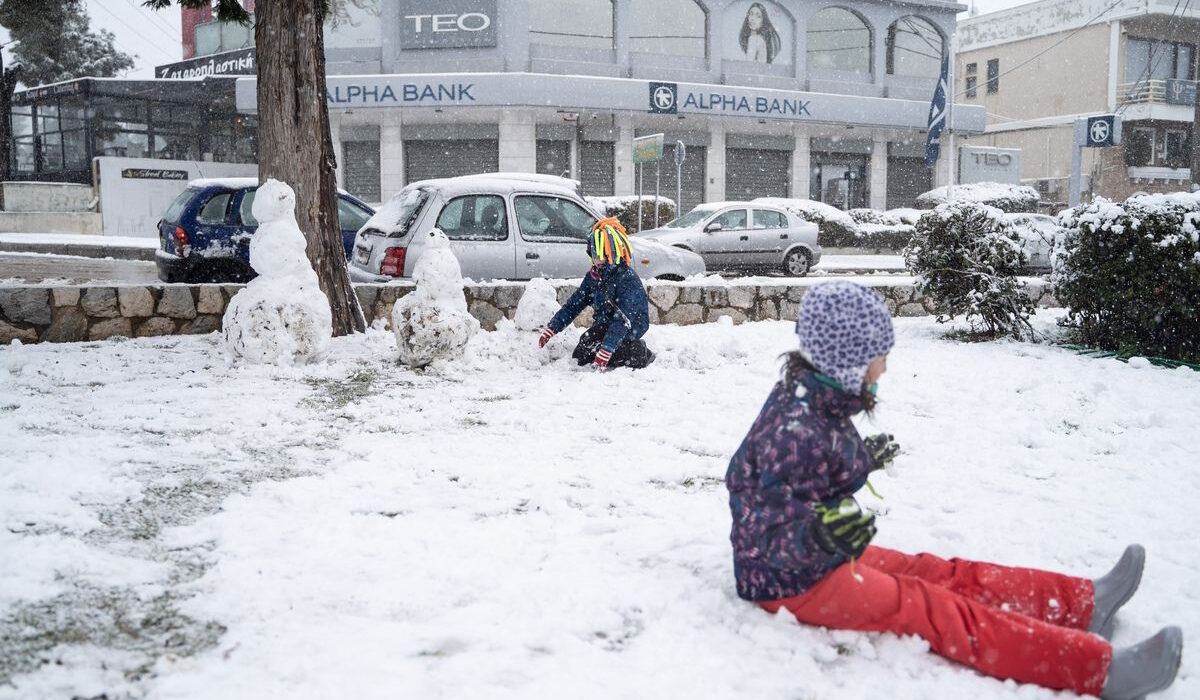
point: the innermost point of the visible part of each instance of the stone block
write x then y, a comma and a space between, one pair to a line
789, 310
486, 314
743, 297
910, 309
691, 295
136, 302
716, 297
767, 310
563, 293
110, 328
209, 300
69, 326
9, 333
100, 302
584, 320
26, 305
663, 296
480, 292
65, 296
685, 314
177, 302
159, 325
506, 297
231, 290
201, 325
366, 296
795, 293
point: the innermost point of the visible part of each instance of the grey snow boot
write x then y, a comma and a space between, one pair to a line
1115, 588
1146, 667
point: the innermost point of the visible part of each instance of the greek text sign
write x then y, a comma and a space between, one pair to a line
240, 62
447, 24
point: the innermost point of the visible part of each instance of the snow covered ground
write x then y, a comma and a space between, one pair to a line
174, 527
81, 239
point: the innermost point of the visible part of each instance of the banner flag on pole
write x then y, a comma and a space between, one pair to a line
937, 114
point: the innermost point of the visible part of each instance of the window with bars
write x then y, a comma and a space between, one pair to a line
993, 76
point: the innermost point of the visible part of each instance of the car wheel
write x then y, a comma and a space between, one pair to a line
796, 263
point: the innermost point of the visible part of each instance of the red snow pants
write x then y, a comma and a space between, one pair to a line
1023, 624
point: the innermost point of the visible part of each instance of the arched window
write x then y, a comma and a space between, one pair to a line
839, 40
914, 47
580, 24
675, 27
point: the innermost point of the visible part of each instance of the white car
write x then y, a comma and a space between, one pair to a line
500, 227
1040, 234
743, 236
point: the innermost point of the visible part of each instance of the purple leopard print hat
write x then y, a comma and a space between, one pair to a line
842, 326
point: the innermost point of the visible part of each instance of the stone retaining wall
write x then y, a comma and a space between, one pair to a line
34, 314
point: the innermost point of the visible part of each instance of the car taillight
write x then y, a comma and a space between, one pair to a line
181, 242
393, 262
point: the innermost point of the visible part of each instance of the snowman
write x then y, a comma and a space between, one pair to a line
432, 322
282, 316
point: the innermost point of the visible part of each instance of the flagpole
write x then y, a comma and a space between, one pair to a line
952, 160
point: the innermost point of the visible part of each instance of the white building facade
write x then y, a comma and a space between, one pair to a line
1038, 67
819, 100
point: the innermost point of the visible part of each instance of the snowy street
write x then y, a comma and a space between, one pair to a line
503, 526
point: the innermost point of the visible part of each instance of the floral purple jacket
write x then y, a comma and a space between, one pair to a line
801, 450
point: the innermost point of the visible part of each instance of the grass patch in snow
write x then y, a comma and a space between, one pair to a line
339, 393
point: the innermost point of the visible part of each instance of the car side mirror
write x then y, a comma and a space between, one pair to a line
714, 226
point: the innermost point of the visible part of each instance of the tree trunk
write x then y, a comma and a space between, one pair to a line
1196, 138
294, 143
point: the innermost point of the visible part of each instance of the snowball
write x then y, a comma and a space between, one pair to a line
281, 316
433, 322
538, 305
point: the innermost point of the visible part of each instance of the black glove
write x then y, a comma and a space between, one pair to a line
843, 528
882, 447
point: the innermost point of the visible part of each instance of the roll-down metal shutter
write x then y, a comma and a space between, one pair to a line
755, 172
424, 160
596, 168
693, 176
906, 179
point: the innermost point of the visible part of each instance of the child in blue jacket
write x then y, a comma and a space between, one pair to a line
621, 312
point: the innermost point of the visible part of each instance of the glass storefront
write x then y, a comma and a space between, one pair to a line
58, 130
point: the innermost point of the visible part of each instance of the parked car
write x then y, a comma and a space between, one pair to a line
502, 227
743, 236
204, 235
1041, 235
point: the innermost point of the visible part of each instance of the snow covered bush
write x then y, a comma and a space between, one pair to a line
1129, 274
966, 261
835, 228
626, 210
881, 230
282, 316
1007, 198
433, 322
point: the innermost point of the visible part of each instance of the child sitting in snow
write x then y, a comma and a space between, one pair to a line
800, 540
621, 313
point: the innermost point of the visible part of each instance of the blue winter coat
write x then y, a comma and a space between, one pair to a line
618, 300
802, 450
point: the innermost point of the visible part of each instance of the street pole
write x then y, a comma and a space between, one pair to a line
1196, 140
657, 183
639, 221
952, 161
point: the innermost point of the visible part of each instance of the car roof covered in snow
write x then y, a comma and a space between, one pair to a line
497, 183
234, 183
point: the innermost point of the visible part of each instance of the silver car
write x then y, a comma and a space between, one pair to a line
743, 236
500, 226
1041, 237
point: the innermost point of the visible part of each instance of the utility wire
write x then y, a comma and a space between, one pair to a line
1039, 54
152, 42
157, 19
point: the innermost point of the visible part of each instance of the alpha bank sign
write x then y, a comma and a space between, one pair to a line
447, 24
618, 95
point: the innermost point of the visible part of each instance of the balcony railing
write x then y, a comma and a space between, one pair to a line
1169, 92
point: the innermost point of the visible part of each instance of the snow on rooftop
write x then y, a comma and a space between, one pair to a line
1055, 16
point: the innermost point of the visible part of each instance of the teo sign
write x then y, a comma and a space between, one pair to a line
447, 24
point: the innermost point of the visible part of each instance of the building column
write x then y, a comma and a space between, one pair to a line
624, 182
714, 188
879, 164
518, 141
801, 165
391, 155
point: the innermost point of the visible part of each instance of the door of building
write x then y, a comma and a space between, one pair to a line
839, 180
756, 172
425, 160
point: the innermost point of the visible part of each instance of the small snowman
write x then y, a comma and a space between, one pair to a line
282, 316
432, 322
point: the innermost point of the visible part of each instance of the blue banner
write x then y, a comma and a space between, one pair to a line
937, 114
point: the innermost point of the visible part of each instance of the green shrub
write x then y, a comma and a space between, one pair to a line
626, 210
1130, 275
1006, 198
966, 261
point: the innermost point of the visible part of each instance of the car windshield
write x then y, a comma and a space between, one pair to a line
691, 218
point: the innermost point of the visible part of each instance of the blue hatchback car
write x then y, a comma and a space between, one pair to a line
204, 236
